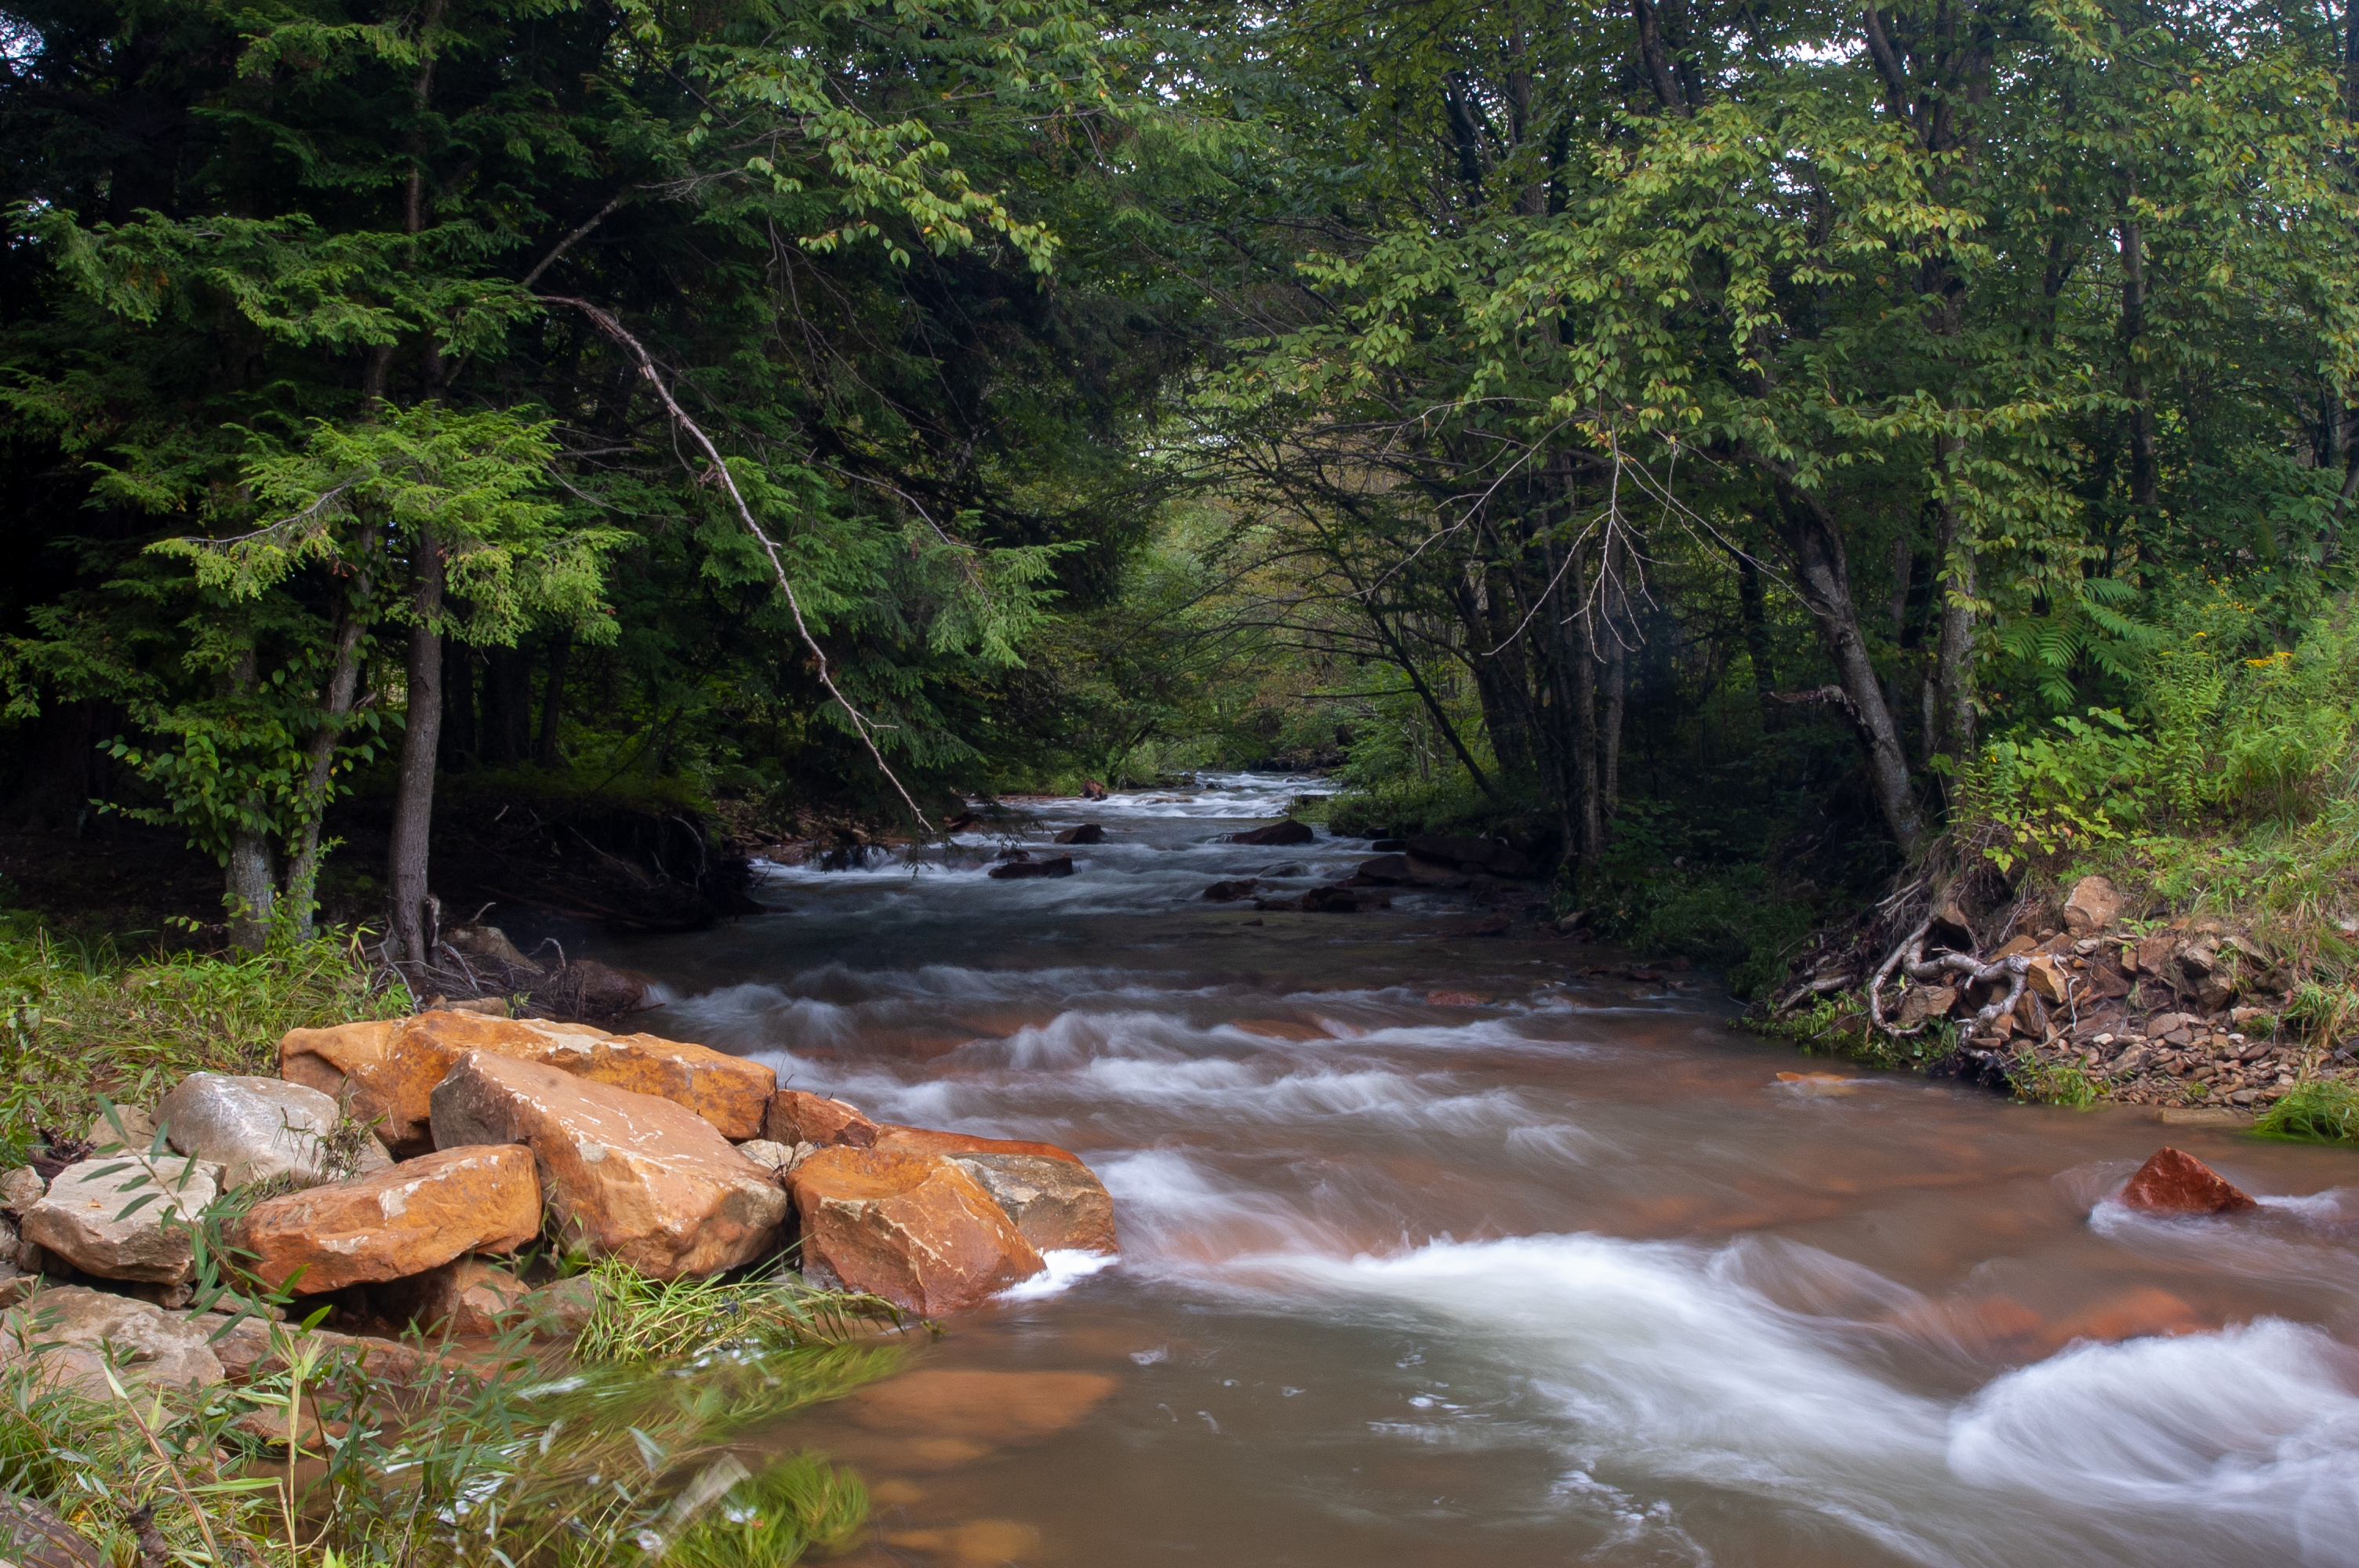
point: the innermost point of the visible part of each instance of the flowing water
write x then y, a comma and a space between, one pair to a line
1571, 1277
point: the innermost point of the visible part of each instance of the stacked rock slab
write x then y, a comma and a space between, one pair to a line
71, 1329
82, 1218
920, 1232
414, 1217
393, 1067
630, 1175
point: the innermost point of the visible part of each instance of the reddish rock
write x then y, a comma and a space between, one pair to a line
900, 1140
469, 1297
2173, 1182
919, 1232
797, 1117
1084, 833
1456, 999
393, 1067
2092, 906
1093, 790
629, 1175
394, 1223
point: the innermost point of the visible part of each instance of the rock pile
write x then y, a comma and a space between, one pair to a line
676, 1159
2155, 1014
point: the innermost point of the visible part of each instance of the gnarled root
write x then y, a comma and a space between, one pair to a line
1909, 960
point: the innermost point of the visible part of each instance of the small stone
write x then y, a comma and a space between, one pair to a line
137, 1135
2092, 906
798, 1115
776, 1158
21, 1188
2046, 981
2176, 1182
82, 1219
561, 1308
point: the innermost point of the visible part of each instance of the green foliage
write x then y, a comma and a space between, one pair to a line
767, 1521
82, 1021
2052, 1083
639, 1320
2324, 1110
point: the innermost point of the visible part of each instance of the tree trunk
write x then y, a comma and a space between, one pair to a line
1815, 547
553, 700
249, 887
1954, 647
413, 804
344, 682
507, 706
2146, 488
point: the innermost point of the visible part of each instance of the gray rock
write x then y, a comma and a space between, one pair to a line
68, 1331
82, 1219
780, 1159
256, 1129
21, 1188
138, 1134
1055, 1204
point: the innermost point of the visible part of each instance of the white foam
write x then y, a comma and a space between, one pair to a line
1067, 1266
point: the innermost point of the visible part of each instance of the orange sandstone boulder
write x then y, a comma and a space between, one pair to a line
797, 1116
393, 1066
919, 1232
2173, 1182
629, 1175
396, 1222
901, 1140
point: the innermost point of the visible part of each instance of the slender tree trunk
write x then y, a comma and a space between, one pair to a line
1815, 545
1589, 796
343, 683
553, 700
413, 805
1617, 688
2145, 481
249, 887
1953, 646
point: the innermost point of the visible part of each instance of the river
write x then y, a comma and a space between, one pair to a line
1570, 1276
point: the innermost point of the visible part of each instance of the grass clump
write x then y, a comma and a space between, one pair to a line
638, 1321
2325, 1111
79, 1021
2052, 1083
769, 1521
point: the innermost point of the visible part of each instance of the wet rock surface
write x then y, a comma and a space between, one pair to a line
404, 1221
2174, 1182
1056, 1205
915, 1229
627, 1176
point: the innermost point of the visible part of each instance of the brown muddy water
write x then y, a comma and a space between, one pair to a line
1569, 1278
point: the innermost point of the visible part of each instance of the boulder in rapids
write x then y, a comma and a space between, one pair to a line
1287, 832
83, 1218
2176, 1182
1057, 1204
1229, 891
2092, 906
1093, 790
256, 1129
1396, 870
915, 1229
629, 1175
1055, 866
1082, 833
1469, 855
393, 1067
797, 1116
1333, 901
405, 1220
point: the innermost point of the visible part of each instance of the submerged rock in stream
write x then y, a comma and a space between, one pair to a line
2175, 1183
